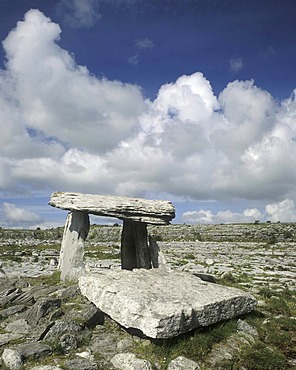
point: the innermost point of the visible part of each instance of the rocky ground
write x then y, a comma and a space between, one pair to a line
46, 323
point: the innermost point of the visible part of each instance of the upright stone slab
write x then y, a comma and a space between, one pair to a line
76, 230
134, 246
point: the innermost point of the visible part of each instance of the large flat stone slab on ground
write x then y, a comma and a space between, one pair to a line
163, 304
134, 209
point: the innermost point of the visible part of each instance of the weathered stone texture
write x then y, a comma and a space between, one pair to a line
71, 257
135, 209
163, 304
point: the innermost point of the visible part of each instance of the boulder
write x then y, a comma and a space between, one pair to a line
12, 359
163, 304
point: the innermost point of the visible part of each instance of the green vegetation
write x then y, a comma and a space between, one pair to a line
195, 345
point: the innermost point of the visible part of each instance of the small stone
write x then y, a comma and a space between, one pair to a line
80, 364
68, 342
46, 367
209, 262
12, 310
12, 359
9, 337
124, 344
246, 328
183, 363
34, 350
19, 327
129, 361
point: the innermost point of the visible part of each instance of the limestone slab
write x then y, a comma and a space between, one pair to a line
134, 209
163, 304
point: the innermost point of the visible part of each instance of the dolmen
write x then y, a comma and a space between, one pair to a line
153, 302
137, 249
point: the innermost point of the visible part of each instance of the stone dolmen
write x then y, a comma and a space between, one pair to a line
136, 213
142, 298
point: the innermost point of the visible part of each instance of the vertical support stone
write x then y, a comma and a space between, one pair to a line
157, 257
71, 262
134, 246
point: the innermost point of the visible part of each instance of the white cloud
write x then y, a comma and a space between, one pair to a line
141, 46
284, 211
133, 60
79, 13
14, 216
144, 43
63, 100
208, 217
63, 128
236, 64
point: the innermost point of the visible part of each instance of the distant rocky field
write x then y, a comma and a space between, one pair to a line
259, 258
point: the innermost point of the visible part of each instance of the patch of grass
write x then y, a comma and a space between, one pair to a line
195, 345
53, 279
262, 357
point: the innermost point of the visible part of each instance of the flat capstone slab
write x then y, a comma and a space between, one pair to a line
158, 212
163, 304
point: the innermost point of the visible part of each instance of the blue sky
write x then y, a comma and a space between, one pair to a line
190, 101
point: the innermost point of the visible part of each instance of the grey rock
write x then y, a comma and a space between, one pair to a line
8, 296
5, 284
124, 344
183, 363
227, 350
46, 367
12, 359
34, 350
163, 304
60, 329
68, 342
19, 326
103, 344
24, 298
246, 328
195, 270
9, 337
40, 309
129, 361
71, 262
80, 364
86, 314
68, 292
10, 311
134, 209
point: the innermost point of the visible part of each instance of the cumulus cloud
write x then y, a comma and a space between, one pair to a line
208, 217
79, 13
14, 216
283, 211
63, 128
